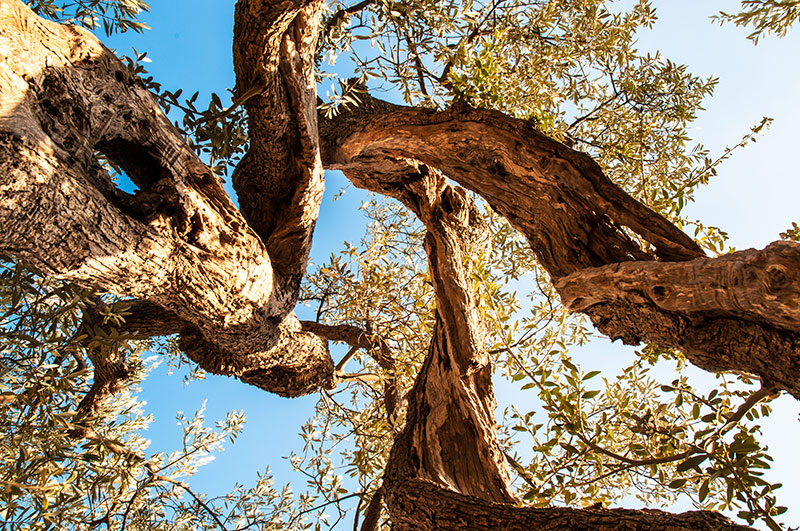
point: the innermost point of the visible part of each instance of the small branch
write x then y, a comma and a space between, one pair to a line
476, 31
89, 433
636, 462
373, 514
317, 507
109, 362
129, 505
418, 66
199, 501
358, 513
338, 17
731, 421
99, 521
8, 398
355, 337
747, 405
590, 113
337, 371
373, 344
359, 377
521, 471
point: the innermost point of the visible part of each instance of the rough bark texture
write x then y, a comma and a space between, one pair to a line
280, 180
559, 198
423, 506
179, 242
761, 286
450, 437
725, 314
227, 281
736, 312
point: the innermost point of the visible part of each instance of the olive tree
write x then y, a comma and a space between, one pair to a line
535, 143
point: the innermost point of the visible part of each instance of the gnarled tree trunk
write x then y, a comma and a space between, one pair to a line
178, 242
227, 281
736, 312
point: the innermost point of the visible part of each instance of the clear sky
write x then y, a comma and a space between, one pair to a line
753, 198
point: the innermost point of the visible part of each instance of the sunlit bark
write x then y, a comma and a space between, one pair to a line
178, 242
737, 312
227, 281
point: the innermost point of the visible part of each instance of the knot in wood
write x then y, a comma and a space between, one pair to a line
777, 278
660, 293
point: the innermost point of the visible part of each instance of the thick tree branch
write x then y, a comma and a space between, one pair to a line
198, 500
761, 286
739, 311
178, 242
574, 218
280, 180
180, 245
424, 506
450, 436
559, 198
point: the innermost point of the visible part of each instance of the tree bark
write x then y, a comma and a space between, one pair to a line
179, 242
450, 436
279, 181
559, 198
423, 506
738, 312
227, 281
446, 470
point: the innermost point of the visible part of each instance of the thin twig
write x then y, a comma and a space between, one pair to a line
347, 357
347, 12
476, 31
318, 507
200, 502
526, 477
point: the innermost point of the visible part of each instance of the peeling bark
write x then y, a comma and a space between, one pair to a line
450, 437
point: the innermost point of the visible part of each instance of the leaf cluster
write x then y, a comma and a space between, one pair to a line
63, 469
114, 16
765, 16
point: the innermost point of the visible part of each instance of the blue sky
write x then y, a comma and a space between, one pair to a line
753, 198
